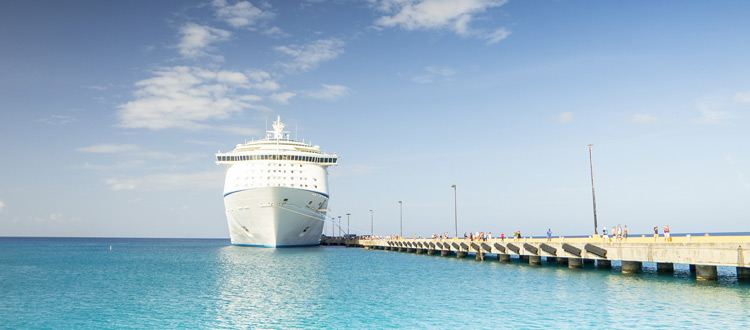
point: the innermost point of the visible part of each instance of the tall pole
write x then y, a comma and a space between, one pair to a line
401, 210
339, 226
347, 223
593, 193
372, 231
455, 208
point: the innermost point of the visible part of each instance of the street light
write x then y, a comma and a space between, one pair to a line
372, 231
455, 207
593, 194
339, 226
347, 223
401, 207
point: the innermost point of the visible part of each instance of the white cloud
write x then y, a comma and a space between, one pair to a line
329, 92
108, 148
169, 181
185, 97
742, 97
58, 120
308, 57
433, 73
644, 119
196, 39
497, 36
454, 15
282, 98
241, 14
565, 117
713, 109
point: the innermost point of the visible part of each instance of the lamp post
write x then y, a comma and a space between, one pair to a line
401, 212
339, 226
347, 223
372, 231
455, 207
593, 193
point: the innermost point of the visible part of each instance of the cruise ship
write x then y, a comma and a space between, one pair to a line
276, 191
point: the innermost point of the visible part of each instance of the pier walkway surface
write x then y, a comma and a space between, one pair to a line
702, 253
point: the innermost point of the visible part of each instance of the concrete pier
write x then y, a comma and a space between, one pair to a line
743, 273
575, 263
706, 273
707, 252
631, 267
535, 260
664, 267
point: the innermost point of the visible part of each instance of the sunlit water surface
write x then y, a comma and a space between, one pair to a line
156, 284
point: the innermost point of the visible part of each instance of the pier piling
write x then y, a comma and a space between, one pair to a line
604, 264
575, 263
503, 257
743, 273
706, 273
631, 267
664, 267
535, 260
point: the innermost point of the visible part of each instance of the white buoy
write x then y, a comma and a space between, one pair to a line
110, 247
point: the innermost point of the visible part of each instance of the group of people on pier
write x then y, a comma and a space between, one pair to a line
619, 233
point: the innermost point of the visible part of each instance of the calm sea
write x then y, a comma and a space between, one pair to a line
63, 283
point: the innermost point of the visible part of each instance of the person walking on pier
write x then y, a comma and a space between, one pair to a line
502, 236
667, 237
549, 235
619, 232
625, 233
656, 233
604, 234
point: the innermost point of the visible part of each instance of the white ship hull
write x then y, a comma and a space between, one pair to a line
275, 216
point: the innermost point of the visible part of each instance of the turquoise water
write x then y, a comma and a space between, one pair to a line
156, 284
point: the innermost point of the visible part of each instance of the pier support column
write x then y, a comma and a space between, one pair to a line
706, 273
743, 273
692, 269
503, 257
445, 253
575, 263
664, 267
431, 251
525, 258
604, 264
631, 267
562, 261
535, 260
480, 256
420, 251
461, 254
551, 259
588, 261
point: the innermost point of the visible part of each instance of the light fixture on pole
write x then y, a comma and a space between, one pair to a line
593, 193
401, 212
347, 223
372, 231
455, 207
339, 226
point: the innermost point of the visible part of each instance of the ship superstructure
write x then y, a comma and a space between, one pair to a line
276, 190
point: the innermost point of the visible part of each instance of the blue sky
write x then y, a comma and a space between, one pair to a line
111, 111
